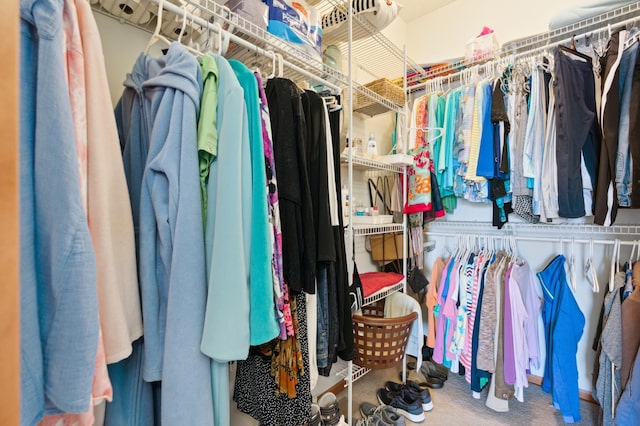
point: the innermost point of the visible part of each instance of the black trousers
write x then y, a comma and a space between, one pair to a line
576, 131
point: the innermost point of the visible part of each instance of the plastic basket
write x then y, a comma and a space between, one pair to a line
380, 342
383, 87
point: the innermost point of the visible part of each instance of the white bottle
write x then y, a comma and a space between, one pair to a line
372, 149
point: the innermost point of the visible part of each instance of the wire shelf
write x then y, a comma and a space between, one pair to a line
357, 372
567, 229
381, 294
369, 46
369, 163
363, 230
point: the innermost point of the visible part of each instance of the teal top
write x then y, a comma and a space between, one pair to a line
263, 320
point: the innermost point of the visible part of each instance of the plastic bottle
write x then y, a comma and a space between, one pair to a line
372, 149
345, 200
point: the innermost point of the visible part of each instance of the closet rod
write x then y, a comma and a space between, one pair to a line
242, 42
540, 239
524, 54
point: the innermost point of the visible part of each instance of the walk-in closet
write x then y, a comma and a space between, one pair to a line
320, 212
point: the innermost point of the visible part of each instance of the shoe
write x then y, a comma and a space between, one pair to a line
371, 421
414, 390
430, 369
315, 415
403, 403
429, 382
387, 413
329, 409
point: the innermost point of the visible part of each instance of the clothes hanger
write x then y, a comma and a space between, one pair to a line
572, 266
184, 23
573, 52
590, 271
156, 36
614, 264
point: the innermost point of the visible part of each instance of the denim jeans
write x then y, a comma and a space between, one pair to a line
623, 159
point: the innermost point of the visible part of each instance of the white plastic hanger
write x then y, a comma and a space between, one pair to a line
156, 36
590, 270
572, 266
614, 264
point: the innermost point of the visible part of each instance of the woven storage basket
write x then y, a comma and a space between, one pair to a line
383, 87
380, 342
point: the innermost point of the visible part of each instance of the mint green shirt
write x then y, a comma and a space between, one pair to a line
207, 125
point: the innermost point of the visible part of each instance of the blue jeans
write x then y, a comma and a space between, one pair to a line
623, 163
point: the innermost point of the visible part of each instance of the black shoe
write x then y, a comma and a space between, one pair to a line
414, 390
409, 407
431, 369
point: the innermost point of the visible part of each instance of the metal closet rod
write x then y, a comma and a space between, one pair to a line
540, 239
242, 42
516, 56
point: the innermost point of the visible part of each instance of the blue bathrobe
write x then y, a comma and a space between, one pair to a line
563, 327
172, 262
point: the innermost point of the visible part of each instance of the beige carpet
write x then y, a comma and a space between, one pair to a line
454, 405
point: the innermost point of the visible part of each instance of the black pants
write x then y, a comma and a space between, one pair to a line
576, 131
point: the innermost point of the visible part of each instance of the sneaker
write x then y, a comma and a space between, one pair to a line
403, 402
387, 413
414, 390
329, 409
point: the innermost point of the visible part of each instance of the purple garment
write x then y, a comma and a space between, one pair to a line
281, 293
438, 351
509, 356
526, 281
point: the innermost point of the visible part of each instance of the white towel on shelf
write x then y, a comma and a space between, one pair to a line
398, 305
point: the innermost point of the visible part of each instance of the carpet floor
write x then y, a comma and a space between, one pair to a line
454, 405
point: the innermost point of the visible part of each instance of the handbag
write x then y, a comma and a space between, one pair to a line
416, 279
356, 292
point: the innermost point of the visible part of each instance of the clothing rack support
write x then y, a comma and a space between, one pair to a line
241, 42
540, 239
350, 182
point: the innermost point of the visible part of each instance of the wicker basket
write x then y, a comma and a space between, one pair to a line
380, 342
383, 87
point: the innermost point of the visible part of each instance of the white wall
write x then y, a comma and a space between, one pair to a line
444, 33
122, 44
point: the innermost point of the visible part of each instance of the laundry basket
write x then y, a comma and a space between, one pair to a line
380, 342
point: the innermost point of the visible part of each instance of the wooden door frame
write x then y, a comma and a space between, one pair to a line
9, 222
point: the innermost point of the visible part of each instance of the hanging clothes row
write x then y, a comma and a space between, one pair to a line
617, 343
550, 138
484, 306
79, 297
244, 243
209, 199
